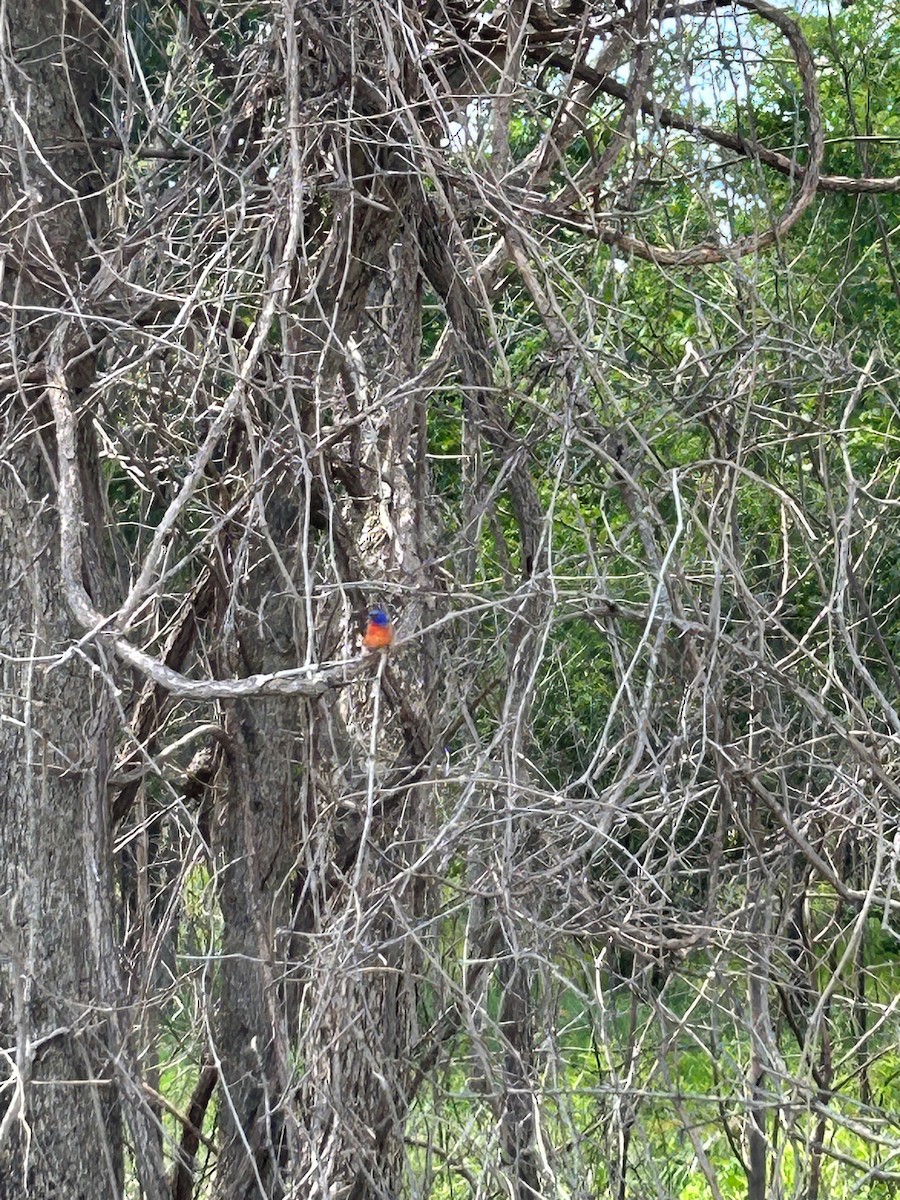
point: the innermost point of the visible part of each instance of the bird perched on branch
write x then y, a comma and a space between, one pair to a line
379, 631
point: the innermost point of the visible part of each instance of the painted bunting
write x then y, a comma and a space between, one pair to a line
379, 631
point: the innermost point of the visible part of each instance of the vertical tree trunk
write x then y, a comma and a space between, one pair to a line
255, 839
61, 1128
517, 1116
360, 1001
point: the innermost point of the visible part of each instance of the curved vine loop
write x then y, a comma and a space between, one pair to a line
705, 253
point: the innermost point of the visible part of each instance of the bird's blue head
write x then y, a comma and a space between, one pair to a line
378, 616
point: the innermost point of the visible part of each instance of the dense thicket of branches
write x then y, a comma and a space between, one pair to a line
566, 332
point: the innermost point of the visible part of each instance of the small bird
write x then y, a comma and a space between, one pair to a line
379, 631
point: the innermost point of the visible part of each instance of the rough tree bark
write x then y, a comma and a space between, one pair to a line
61, 1132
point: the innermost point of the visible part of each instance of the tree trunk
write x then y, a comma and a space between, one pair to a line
61, 1126
255, 838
